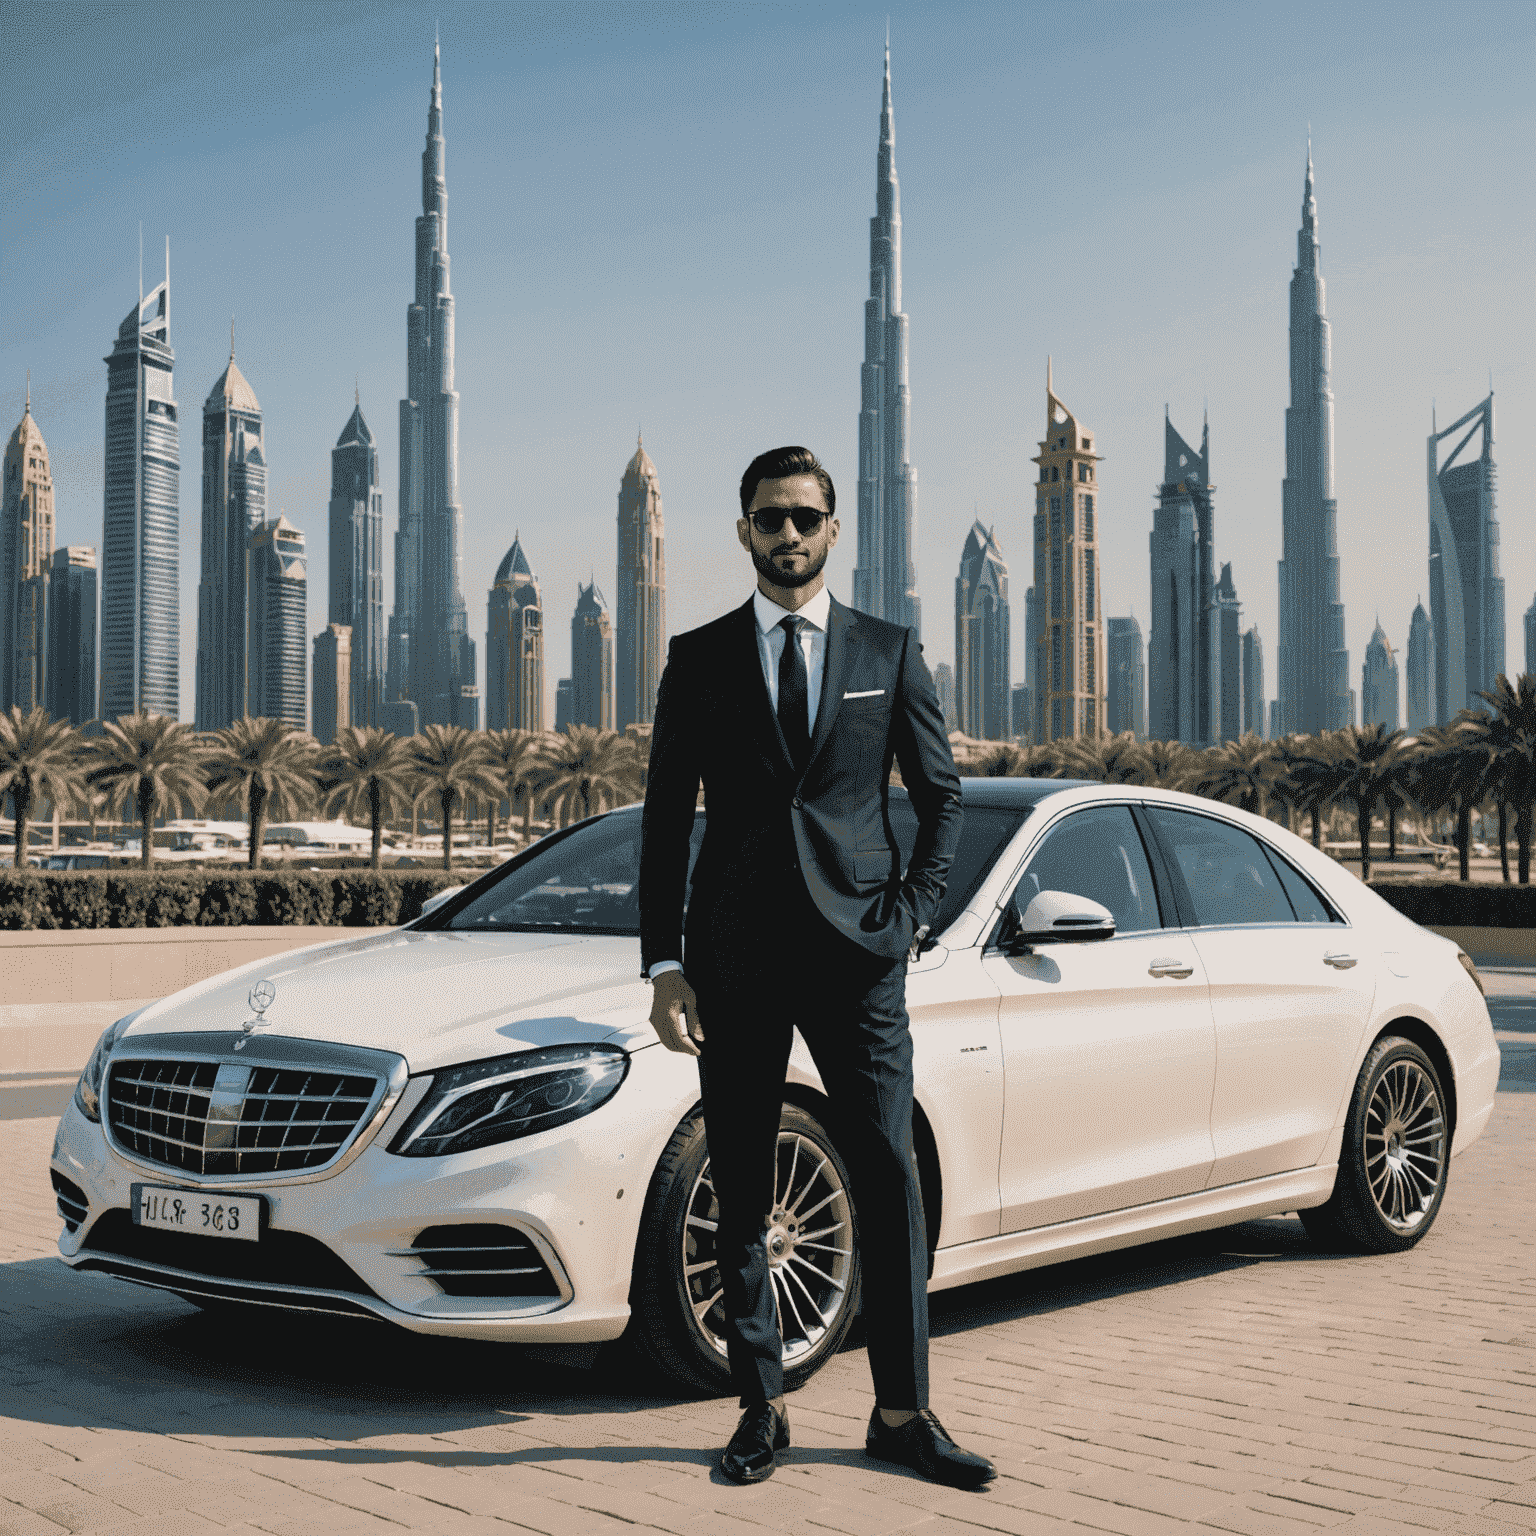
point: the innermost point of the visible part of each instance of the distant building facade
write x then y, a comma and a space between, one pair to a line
234, 507
1227, 657
140, 640
1313, 661
885, 573
1183, 685
1466, 591
944, 687
26, 555
1255, 715
1021, 712
72, 634
564, 703
331, 681
1423, 700
640, 629
1379, 682
982, 629
1070, 692
276, 604
514, 645
356, 593
591, 660
1530, 638
1126, 695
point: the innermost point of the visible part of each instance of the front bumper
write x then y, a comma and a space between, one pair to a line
342, 1244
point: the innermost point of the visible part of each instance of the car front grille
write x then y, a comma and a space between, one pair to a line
482, 1259
234, 1117
73, 1206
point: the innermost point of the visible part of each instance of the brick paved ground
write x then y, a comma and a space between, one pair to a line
1234, 1382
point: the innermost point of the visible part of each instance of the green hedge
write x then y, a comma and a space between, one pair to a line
221, 899
1450, 904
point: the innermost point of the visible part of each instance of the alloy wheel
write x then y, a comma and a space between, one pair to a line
1404, 1145
809, 1238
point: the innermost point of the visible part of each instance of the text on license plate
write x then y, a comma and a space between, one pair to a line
191, 1210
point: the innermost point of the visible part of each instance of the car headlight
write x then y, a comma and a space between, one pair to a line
485, 1102
88, 1089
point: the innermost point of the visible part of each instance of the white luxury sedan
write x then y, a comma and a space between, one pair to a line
1140, 1014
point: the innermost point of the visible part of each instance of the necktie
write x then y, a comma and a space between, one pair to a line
794, 689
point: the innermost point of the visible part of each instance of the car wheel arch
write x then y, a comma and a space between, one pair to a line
1428, 1040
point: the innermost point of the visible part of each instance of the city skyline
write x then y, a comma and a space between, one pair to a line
954, 245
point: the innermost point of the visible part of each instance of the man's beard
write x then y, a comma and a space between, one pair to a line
792, 578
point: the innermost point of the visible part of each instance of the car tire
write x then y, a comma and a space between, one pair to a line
1394, 1159
677, 1319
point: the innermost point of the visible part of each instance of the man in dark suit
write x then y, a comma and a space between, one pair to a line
790, 711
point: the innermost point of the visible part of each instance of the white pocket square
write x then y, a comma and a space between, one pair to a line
866, 693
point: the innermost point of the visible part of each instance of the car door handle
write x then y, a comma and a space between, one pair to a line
1178, 968
1339, 961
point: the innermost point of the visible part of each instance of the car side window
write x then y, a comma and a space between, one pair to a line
1229, 878
1096, 853
1309, 906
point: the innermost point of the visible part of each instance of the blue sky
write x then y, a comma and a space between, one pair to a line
659, 216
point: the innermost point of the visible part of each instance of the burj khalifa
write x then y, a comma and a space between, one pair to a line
431, 661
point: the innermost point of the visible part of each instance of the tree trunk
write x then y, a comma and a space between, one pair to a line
376, 821
1363, 809
1504, 841
23, 829
491, 807
1464, 840
93, 818
1391, 833
1317, 827
445, 800
1523, 841
146, 801
258, 824
527, 815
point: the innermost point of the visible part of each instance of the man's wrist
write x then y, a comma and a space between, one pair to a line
662, 966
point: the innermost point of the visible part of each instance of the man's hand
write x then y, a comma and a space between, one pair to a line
675, 1013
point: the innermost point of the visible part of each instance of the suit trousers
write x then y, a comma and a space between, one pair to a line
850, 1009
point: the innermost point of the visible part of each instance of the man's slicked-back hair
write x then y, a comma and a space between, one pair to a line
780, 464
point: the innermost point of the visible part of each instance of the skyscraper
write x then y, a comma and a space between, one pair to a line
514, 646
1530, 638
1254, 712
431, 657
356, 597
1314, 664
1227, 658
1379, 682
1423, 699
141, 521
1126, 693
885, 577
1185, 691
591, 660
1031, 630
1020, 711
277, 591
72, 634
641, 629
944, 690
234, 507
1466, 592
1070, 694
26, 550
331, 680
982, 629
564, 694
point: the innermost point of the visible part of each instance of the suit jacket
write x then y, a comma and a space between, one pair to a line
828, 825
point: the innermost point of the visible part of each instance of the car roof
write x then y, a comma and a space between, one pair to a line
1017, 794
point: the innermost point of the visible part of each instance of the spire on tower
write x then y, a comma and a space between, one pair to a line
231, 338
28, 410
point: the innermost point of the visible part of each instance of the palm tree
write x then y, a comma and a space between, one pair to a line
39, 758
1452, 774
152, 758
589, 767
1108, 759
1167, 764
269, 764
1370, 761
366, 771
450, 763
1511, 736
1309, 777
520, 760
1237, 772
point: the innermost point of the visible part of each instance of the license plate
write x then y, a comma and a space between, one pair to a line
191, 1210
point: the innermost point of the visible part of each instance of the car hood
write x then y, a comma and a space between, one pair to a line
434, 997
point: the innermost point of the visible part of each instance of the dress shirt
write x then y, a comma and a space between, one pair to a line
770, 648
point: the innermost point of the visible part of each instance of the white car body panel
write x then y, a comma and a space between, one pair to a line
1041, 1155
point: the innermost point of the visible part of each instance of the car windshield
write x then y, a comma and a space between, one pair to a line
586, 880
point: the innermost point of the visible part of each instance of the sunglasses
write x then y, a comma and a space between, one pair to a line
770, 519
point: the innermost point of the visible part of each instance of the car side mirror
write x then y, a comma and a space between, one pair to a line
434, 901
1055, 917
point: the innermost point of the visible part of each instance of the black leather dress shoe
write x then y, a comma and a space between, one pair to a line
923, 1444
761, 1435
